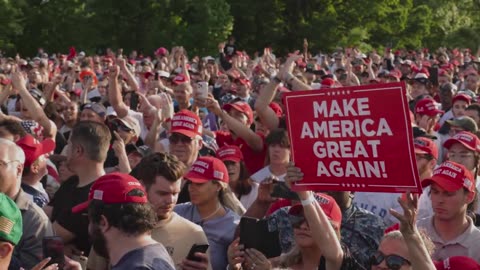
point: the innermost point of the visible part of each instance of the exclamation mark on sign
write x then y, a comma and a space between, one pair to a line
384, 172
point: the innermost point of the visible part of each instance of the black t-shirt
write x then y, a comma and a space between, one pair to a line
68, 196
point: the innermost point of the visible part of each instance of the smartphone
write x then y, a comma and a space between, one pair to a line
53, 247
202, 90
281, 190
254, 233
156, 76
134, 101
196, 248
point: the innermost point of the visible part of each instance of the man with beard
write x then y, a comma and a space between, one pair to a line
87, 150
121, 222
161, 175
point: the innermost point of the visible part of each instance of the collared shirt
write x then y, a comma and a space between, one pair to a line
466, 244
36, 226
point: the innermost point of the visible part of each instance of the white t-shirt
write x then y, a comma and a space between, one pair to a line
260, 175
379, 204
247, 200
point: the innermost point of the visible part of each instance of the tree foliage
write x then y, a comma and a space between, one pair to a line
200, 25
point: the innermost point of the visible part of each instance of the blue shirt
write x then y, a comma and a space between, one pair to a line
220, 231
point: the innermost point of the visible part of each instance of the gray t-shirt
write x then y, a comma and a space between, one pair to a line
151, 257
220, 231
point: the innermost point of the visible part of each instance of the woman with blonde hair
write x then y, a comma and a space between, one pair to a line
212, 206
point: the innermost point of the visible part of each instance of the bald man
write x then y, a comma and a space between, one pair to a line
36, 224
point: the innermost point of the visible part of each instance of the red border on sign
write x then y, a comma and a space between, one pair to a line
414, 183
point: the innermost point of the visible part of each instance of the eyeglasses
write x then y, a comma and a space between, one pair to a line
177, 138
297, 220
394, 262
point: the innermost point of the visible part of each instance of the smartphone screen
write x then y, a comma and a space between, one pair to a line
53, 247
134, 101
196, 248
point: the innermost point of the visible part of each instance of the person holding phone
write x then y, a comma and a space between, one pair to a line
212, 206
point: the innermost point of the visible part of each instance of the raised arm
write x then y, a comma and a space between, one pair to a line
320, 227
241, 130
114, 94
264, 112
35, 109
419, 255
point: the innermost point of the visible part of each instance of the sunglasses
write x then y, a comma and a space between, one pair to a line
176, 138
296, 220
394, 262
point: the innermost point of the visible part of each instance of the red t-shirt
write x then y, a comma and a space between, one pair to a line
254, 161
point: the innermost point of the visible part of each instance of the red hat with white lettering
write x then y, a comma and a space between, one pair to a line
451, 177
329, 207
187, 123
230, 153
114, 188
467, 139
457, 262
428, 107
206, 169
424, 145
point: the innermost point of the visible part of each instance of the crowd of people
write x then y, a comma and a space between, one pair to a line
136, 161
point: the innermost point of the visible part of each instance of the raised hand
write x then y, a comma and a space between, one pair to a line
409, 204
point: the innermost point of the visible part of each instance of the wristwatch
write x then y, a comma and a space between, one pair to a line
277, 80
309, 200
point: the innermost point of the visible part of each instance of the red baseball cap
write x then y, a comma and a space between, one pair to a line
179, 79
33, 149
463, 97
187, 123
276, 109
467, 139
428, 107
206, 169
327, 83
451, 176
329, 207
241, 81
425, 146
161, 51
230, 153
242, 107
113, 188
457, 262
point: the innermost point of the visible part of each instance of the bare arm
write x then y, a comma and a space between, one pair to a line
419, 256
36, 111
264, 112
114, 95
253, 140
